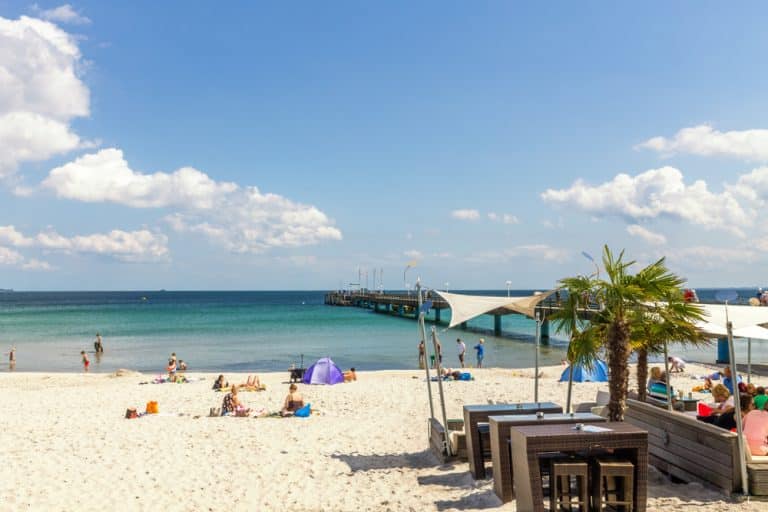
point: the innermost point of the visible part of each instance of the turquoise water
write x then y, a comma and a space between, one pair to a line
234, 331
243, 331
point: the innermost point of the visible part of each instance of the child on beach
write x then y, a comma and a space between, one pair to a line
480, 352
350, 375
86, 361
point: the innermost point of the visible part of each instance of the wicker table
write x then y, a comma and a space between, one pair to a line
503, 475
474, 414
529, 442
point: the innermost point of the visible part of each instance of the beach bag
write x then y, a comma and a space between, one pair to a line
131, 413
304, 412
152, 407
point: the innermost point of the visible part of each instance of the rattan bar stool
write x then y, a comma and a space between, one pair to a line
561, 492
612, 484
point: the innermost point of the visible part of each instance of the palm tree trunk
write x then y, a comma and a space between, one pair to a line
618, 357
642, 373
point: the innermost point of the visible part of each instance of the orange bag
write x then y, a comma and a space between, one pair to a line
152, 407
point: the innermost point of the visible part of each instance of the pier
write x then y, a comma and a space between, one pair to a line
405, 305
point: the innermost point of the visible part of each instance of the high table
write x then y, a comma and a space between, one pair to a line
474, 414
503, 475
529, 442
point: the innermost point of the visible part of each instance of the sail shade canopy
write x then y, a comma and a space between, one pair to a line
467, 307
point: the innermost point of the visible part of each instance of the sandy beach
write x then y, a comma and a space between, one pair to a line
66, 445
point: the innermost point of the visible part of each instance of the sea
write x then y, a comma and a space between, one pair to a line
244, 331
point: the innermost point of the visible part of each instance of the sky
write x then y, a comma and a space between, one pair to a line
307, 145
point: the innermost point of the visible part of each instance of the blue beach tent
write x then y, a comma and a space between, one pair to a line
598, 373
324, 371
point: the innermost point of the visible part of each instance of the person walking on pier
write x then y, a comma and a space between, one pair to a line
462, 350
422, 355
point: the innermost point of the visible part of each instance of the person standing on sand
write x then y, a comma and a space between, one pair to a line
86, 361
462, 350
422, 355
97, 345
480, 348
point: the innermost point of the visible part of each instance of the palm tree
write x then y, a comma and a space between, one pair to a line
661, 323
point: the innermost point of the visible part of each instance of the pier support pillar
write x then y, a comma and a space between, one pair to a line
723, 356
437, 315
497, 325
463, 325
400, 310
545, 329
375, 307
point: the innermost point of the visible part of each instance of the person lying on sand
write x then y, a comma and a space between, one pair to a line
252, 384
293, 401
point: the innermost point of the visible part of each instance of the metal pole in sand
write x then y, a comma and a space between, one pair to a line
423, 334
442, 396
668, 382
737, 407
538, 342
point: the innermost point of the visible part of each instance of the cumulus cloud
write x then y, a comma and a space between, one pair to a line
9, 256
704, 140
37, 265
504, 218
646, 234
465, 214
652, 194
241, 219
62, 14
132, 246
40, 92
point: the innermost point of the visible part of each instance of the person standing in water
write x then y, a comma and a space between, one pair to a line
86, 361
97, 345
12, 358
480, 348
422, 355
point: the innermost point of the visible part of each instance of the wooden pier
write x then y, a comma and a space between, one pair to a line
406, 305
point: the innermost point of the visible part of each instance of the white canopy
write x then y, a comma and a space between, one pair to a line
747, 321
466, 307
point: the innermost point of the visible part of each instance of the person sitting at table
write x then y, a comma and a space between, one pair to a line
727, 420
756, 431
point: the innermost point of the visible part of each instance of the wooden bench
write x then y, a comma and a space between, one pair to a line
437, 440
694, 451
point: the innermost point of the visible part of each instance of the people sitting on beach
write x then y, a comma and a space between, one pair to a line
678, 365
220, 383
727, 378
350, 375
756, 431
293, 401
232, 405
657, 384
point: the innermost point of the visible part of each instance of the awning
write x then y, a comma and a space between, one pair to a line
467, 307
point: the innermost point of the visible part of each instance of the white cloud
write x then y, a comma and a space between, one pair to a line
63, 14
646, 234
241, 219
652, 194
9, 256
465, 214
413, 254
33, 264
106, 177
133, 246
40, 92
504, 218
704, 140
705, 256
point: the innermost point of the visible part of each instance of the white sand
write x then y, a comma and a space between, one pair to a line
65, 445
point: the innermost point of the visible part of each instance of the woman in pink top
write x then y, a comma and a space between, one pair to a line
756, 431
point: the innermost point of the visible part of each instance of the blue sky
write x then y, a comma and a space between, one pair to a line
256, 146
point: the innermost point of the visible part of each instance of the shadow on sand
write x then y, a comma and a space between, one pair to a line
418, 460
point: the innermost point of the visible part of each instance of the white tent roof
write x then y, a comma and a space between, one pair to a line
747, 321
466, 307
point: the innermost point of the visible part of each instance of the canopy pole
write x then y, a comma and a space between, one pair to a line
749, 360
442, 396
423, 334
538, 342
668, 383
737, 409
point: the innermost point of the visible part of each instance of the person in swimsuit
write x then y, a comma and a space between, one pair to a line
293, 401
220, 383
422, 355
86, 361
350, 375
232, 404
97, 345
